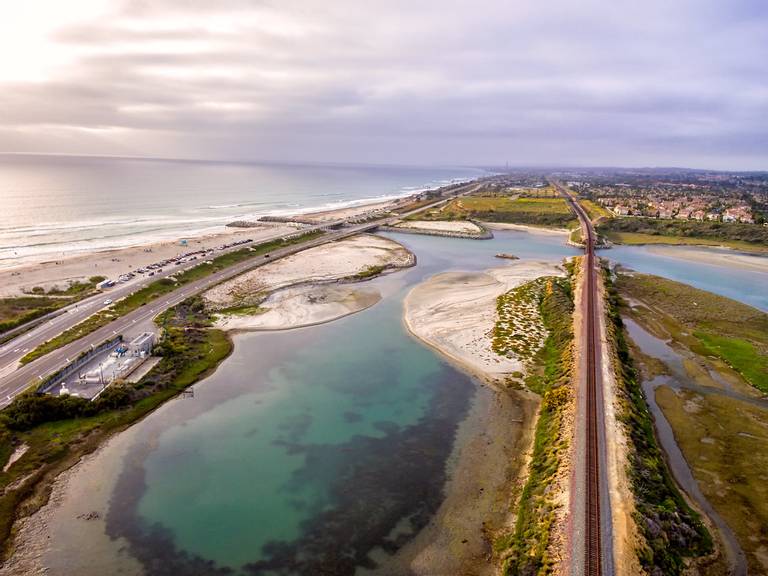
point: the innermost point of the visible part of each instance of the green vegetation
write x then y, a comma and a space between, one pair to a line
544, 211
518, 332
657, 231
525, 549
740, 354
575, 236
671, 529
369, 272
724, 438
22, 309
244, 310
59, 431
159, 288
595, 211
708, 324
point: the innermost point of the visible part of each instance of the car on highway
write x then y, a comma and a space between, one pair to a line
108, 301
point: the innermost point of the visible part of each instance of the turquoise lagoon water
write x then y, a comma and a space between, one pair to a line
309, 448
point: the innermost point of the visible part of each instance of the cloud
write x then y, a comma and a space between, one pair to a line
427, 82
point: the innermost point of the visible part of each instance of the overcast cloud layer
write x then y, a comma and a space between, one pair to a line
658, 82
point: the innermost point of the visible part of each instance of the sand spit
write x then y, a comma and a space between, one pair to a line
112, 263
275, 285
529, 229
303, 306
715, 256
456, 226
455, 312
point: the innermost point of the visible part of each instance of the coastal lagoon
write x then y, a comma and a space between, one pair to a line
312, 449
307, 450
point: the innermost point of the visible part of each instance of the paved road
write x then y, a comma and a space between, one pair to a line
14, 380
591, 538
13, 350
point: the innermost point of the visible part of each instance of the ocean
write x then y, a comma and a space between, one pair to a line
53, 206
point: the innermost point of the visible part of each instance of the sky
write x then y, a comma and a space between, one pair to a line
482, 82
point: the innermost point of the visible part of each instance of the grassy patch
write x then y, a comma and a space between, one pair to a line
542, 211
741, 355
653, 230
369, 272
59, 431
707, 323
159, 288
595, 211
22, 309
245, 310
519, 331
525, 549
671, 529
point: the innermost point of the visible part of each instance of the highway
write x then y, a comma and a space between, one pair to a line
13, 350
591, 527
15, 379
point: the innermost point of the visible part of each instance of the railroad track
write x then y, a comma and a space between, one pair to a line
592, 521
592, 560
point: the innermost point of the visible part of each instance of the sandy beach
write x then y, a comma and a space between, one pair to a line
455, 313
112, 263
14, 280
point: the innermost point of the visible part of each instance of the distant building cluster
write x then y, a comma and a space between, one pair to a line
694, 208
714, 197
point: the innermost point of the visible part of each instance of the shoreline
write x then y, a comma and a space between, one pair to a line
318, 213
480, 494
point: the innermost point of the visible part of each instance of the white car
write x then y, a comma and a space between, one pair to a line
107, 302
